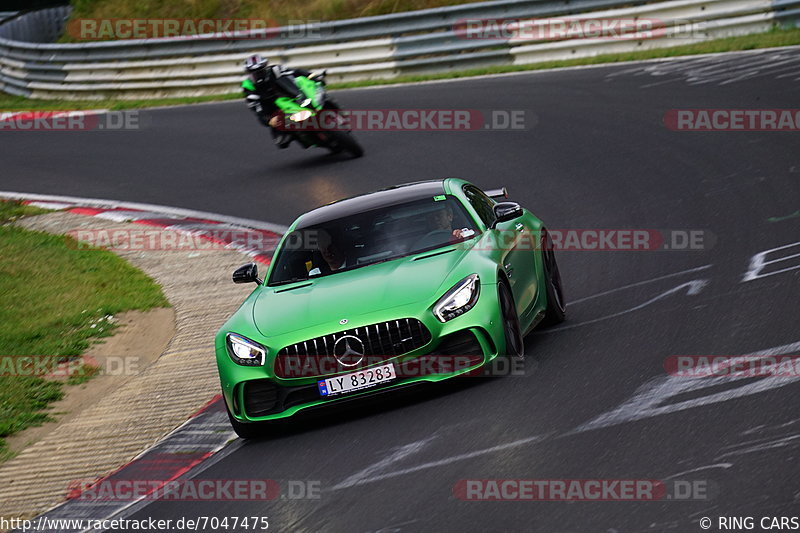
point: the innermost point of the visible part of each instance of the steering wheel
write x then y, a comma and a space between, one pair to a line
436, 236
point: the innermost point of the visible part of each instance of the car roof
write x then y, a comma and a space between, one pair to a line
396, 194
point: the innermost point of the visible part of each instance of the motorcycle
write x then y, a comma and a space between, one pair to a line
313, 119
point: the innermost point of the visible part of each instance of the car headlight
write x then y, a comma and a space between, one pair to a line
300, 116
458, 300
245, 352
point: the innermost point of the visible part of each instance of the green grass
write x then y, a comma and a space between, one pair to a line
771, 39
11, 211
10, 102
56, 300
275, 11
23, 403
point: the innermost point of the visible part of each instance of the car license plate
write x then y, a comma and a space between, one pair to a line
369, 377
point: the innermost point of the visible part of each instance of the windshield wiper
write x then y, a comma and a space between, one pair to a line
295, 287
440, 252
285, 282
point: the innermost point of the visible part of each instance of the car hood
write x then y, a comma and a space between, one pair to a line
350, 294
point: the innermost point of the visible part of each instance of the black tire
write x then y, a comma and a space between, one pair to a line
556, 304
244, 430
515, 345
343, 141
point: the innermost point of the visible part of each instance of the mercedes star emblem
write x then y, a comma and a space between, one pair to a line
348, 350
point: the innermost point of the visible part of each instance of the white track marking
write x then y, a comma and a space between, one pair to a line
441, 462
762, 427
649, 399
698, 469
758, 262
719, 69
692, 288
167, 210
773, 71
401, 453
638, 64
759, 446
639, 283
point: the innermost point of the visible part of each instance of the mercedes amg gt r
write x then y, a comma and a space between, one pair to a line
415, 283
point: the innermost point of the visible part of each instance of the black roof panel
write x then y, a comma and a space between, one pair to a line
397, 194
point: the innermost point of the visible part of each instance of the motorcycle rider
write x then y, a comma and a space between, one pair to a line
264, 84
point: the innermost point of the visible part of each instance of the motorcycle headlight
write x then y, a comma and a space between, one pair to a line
245, 352
458, 300
300, 116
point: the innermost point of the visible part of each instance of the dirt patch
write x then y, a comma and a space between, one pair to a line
141, 338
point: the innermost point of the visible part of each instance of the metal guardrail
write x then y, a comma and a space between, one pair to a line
42, 26
787, 12
381, 47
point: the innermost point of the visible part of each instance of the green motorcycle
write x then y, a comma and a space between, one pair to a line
313, 119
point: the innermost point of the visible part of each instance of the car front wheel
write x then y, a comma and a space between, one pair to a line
511, 328
556, 305
251, 430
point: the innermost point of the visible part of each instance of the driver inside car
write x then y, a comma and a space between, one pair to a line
442, 220
331, 253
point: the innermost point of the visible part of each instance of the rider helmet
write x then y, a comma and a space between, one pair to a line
257, 66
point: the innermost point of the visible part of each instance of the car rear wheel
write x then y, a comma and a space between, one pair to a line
556, 305
513, 333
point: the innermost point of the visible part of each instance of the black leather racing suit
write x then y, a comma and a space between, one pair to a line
275, 81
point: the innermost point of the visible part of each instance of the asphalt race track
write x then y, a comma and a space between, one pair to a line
595, 401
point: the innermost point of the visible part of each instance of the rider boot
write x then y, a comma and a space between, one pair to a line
281, 138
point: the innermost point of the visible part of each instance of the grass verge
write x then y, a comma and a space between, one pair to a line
774, 38
57, 300
275, 11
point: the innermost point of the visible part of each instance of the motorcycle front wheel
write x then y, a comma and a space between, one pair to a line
341, 141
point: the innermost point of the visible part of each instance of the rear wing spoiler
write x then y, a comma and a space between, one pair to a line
502, 192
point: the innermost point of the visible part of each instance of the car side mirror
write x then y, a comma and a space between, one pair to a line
505, 211
247, 274
502, 192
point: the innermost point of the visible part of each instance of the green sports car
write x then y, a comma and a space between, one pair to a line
415, 283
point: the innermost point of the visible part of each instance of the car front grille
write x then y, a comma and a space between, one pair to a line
378, 342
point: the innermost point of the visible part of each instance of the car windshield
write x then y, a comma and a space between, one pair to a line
371, 237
